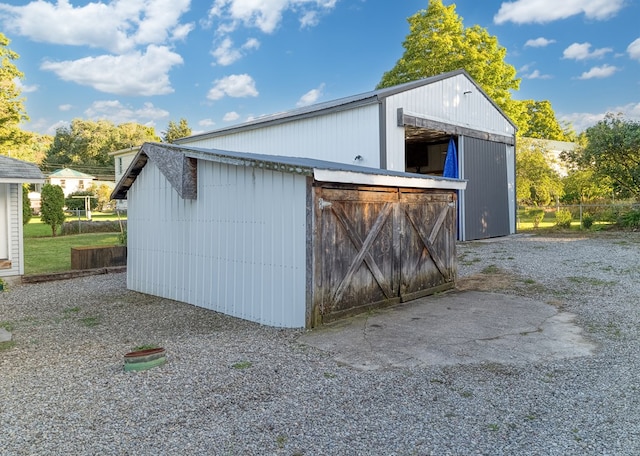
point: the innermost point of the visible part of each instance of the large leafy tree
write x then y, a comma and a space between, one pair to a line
85, 144
537, 183
540, 122
12, 110
612, 151
438, 42
176, 131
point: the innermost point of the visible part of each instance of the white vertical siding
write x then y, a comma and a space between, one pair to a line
336, 136
443, 101
12, 208
239, 248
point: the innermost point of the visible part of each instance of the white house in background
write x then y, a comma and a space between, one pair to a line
552, 150
13, 173
70, 180
122, 159
405, 128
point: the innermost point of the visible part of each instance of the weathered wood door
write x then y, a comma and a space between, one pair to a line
380, 246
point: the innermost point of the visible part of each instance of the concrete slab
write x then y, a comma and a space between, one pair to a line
453, 328
5, 336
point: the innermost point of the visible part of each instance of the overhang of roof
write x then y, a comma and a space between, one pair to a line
177, 168
13, 171
179, 165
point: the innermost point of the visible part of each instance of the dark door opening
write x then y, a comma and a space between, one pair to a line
425, 150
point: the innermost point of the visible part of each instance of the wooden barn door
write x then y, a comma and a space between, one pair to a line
428, 243
378, 246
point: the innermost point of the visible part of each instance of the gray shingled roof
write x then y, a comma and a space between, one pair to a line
17, 171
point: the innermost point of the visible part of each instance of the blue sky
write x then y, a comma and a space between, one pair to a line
221, 62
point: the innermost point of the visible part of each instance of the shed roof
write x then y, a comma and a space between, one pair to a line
68, 173
179, 165
18, 171
341, 104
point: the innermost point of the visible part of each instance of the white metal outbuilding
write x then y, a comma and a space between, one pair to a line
404, 128
288, 242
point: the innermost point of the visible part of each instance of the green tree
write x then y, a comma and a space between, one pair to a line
540, 122
85, 144
176, 131
52, 212
12, 111
26, 205
438, 42
612, 151
75, 204
537, 183
581, 186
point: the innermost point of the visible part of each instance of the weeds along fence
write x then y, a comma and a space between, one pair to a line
585, 214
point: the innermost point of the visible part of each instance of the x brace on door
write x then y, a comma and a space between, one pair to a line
428, 241
363, 250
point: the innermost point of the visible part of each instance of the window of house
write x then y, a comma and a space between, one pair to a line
63, 183
119, 165
80, 184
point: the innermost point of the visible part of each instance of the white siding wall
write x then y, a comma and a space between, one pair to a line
239, 248
13, 207
442, 101
337, 137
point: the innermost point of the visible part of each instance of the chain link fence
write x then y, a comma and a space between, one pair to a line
585, 215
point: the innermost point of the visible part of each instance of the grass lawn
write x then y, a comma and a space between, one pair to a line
44, 253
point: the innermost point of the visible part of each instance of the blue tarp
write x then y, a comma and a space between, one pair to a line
451, 162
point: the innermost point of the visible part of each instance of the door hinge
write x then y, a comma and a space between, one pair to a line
323, 204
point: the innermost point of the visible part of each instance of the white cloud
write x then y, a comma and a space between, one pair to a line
24, 88
581, 120
537, 75
634, 50
225, 54
206, 123
118, 26
600, 72
266, 15
65, 107
582, 51
542, 11
130, 74
539, 42
231, 116
118, 113
310, 97
236, 86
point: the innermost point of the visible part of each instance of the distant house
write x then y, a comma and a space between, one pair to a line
13, 173
552, 150
70, 180
122, 159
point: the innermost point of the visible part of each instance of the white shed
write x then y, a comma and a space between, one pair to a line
13, 173
401, 128
288, 242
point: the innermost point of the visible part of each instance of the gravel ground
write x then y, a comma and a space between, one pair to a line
232, 387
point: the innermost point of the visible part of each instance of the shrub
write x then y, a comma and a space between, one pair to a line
75, 204
82, 226
537, 215
630, 219
26, 205
563, 218
52, 204
587, 220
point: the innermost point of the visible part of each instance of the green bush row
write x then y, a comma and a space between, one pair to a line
84, 226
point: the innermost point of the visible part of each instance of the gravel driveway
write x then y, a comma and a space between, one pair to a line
232, 387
